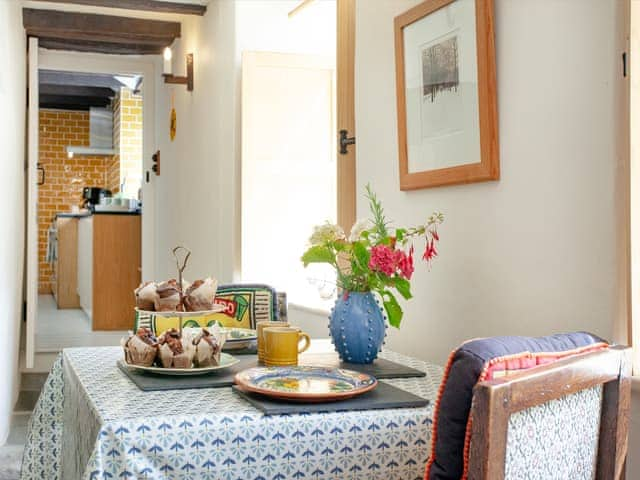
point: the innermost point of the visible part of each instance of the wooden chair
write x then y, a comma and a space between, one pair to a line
597, 384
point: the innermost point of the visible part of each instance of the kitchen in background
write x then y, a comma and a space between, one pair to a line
88, 207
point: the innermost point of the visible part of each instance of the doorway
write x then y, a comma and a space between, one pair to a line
95, 134
296, 96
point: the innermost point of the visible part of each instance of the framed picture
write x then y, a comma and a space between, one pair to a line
446, 94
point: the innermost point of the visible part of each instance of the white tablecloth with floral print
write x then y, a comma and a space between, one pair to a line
92, 422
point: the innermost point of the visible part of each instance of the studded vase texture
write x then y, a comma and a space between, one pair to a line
357, 326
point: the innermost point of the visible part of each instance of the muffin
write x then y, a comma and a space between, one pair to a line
141, 348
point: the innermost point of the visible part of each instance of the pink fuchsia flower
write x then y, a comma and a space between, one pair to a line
430, 251
405, 263
383, 259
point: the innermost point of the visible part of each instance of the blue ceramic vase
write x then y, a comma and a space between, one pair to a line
357, 327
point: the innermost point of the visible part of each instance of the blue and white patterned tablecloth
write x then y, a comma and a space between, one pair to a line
92, 422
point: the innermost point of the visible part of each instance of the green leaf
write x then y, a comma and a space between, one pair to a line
318, 254
404, 287
391, 306
400, 233
361, 254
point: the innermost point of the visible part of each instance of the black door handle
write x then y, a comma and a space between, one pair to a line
345, 141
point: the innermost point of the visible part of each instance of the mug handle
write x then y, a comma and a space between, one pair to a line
307, 341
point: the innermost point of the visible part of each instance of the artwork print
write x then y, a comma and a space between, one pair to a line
440, 68
446, 94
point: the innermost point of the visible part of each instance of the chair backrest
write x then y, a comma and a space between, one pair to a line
577, 409
245, 306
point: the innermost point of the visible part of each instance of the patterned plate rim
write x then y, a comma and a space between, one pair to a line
241, 380
231, 360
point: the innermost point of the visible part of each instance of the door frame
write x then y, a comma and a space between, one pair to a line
31, 247
103, 63
345, 111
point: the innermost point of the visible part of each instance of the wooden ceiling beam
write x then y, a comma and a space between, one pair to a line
99, 29
144, 5
75, 91
100, 47
73, 103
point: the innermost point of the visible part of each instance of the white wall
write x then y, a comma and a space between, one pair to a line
191, 191
199, 189
12, 180
532, 253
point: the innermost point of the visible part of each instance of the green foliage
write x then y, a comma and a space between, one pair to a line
379, 220
360, 257
403, 286
318, 254
351, 259
392, 307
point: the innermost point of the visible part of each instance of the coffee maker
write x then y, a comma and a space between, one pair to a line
93, 196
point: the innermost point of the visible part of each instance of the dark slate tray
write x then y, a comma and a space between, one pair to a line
148, 382
380, 368
383, 396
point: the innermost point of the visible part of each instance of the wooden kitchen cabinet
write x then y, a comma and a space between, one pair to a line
111, 269
64, 284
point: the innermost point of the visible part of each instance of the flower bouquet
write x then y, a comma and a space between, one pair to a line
375, 257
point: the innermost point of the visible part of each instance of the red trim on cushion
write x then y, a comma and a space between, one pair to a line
436, 411
518, 361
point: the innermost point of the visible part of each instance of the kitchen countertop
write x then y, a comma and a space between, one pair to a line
88, 214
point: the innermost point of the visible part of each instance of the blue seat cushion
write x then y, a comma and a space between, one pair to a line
479, 360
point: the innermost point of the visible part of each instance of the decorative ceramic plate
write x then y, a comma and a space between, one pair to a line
216, 309
226, 361
238, 338
305, 383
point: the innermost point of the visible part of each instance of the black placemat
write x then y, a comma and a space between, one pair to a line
150, 382
380, 369
383, 396
251, 349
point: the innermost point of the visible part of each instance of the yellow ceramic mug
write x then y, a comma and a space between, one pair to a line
282, 345
259, 330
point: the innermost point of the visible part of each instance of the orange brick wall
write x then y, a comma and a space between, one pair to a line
65, 177
127, 136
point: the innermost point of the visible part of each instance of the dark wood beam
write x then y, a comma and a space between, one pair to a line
145, 5
75, 91
85, 30
100, 47
73, 103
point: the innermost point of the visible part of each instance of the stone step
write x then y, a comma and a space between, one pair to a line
26, 401
33, 381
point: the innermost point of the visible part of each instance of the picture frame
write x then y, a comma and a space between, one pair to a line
446, 94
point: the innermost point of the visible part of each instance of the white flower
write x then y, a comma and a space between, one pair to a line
436, 218
359, 228
327, 232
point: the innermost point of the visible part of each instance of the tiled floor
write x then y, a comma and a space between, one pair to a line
11, 452
57, 329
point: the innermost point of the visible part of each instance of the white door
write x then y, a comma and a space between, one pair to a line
288, 165
32, 206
